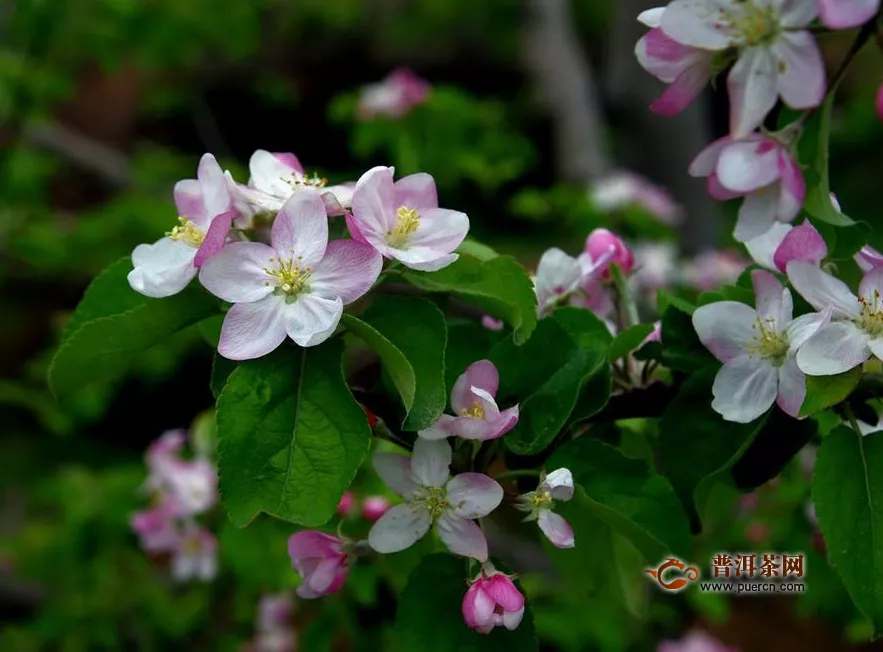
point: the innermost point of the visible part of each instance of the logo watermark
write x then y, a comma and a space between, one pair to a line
733, 573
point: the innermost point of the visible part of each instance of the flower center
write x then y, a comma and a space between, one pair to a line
752, 23
435, 499
291, 279
541, 498
188, 232
870, 318
298, 180
192, 545
407, 221
767, 343
476, 411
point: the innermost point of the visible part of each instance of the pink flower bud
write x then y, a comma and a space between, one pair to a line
803, 242
492, 600
492, 324
602, 242
346, 504
321, 560
656, 334
868, 258
373, 507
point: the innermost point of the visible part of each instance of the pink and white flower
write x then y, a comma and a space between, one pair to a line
856, 330
433, 497
274, 630
322, 561
761, 170
558, 485
695, 642
373, 507
397, 94
156, 529
841, 14
622, 189
195, 555
296, 287
686, 69
562, 279
605, 245
402, 220
777, 57
206, 209
868, 258
492, 600
711, 269
275, 177
473, 400
656, 265
784, 243
191, 487
759, 350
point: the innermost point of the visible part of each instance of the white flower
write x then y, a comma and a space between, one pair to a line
558, 485
431, 497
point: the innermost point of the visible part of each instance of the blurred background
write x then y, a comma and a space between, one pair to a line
531, 115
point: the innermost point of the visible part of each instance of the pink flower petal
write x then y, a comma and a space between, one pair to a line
683, 90
802, 242
473, 495
841, 14
792, 188
236, 274
801, 79
188, 201
416, 191
401, 527
556, 529
374, 204
502, 591
482, 374
252, 330
348, 270
215, 237
301, 228
462, 536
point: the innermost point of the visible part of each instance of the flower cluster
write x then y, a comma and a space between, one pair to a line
273, 631
396, 95
180, 490
264, 246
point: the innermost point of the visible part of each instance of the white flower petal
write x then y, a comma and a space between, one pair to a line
473, 495
726, 328
312, 319
752, 87
163, 268
792, 387
805, 326
401, 527
763, 248
801, 80
556, 528
236, 273
695, 23
430, 462
835, 348
300, 230
822, 290
252, 330
462, 536
395, 471
744, 389
559, 483
757, 213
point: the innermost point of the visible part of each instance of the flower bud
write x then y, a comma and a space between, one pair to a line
492, 600
373, 507
346, 504
321, 560
602, 242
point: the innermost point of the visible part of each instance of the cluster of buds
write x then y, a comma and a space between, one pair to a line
369, 508
180, 490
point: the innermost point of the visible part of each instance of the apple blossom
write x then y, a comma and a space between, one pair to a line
195, 555
686, 69
472, 399
694, 642
602, 244
192, 486
206, 211
558, 485
710, 269
655, 265
296, 287
841, 14
760, 169
868, 258
277, 176
155, 528
492, 600
321, 560
274, 632
373, 507
397, 94
561, 278
161, 456
758, 349
776, 56
431, 496
856, 331
784, 243
621, 189
402, 220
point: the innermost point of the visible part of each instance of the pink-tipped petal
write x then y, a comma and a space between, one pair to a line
868, 258
556, 529
482, 374
871, 286
763, 248
374, 204
725, 328
478, 608
215, 237
473, 495
462, 536
348, 270
842, 14
289, 160
416, 191
717, 190
252, 330
188, 201
792, 189
236, 274
802, 242
301, 228
507, 420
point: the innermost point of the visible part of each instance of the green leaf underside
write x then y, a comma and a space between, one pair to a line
627, 494
848, 497
101, 347
499, 285
549, 372
696, 443
416, 327
824, 391
430, 619
291, 436
628, 340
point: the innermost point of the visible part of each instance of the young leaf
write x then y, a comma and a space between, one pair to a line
499, 285
637, 502
628, 340
824, 391
291, 436
814, 153
696, 443
417, 327
848, 496
103, 346
430, 618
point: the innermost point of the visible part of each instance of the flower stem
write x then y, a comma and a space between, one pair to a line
518, 473
853, 422
628, 307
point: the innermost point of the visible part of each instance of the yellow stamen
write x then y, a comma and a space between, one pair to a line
870, 318
476, 411
768, 343
188, 232
407, 221
298, 180
436, 500
754, 23
541, 498
291, 279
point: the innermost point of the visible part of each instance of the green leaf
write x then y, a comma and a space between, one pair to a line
848, 496
681, 348
814, 154
221, 370
666, 300
548, 373
467, 343
102, 347
824, 391
625, 493
695, 443
430, 618
476, 249
291, 436
628, 340
417, 328
499, 285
